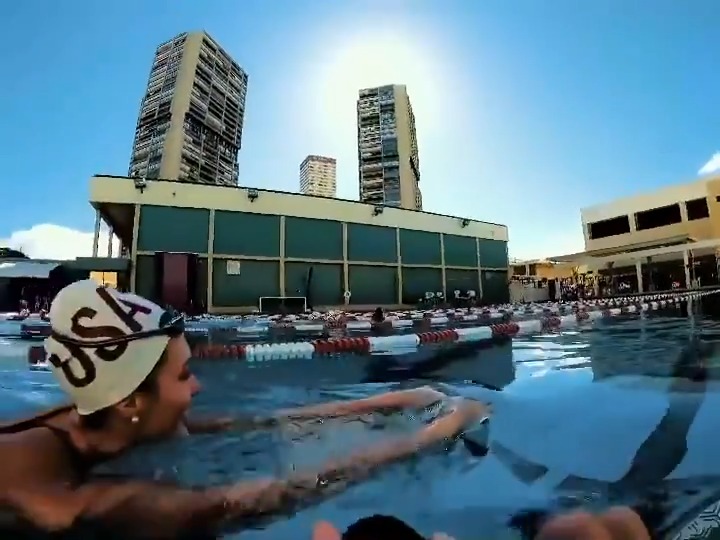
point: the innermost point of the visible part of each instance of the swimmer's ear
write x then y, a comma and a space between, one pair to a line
132, 407
325, 531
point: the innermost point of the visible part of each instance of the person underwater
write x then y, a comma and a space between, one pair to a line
123, 362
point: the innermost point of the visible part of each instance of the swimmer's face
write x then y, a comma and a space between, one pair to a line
164, 411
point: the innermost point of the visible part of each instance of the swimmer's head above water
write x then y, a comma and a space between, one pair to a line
122, 360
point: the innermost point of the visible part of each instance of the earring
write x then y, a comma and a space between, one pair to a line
135, 419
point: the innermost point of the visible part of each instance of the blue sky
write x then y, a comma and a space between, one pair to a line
526, 110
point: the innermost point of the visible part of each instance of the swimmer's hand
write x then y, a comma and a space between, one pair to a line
465, 413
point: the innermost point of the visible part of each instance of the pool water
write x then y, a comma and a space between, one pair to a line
622, 410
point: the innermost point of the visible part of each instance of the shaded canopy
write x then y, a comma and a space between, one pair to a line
27, 269
7, 253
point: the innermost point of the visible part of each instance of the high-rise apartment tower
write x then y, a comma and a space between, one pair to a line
191, 117
388, 161
318, 176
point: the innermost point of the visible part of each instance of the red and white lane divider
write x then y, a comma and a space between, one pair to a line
423, 320
405, 342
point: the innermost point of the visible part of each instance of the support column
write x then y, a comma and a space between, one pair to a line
96, 236
210, 262
683, 212
611, 275
346, 266
282, 256
638, 274
686, 265
399, 266
479, 271
633, 222
133, 249
442, 262
110, 242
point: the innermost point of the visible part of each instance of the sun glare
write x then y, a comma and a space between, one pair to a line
376, 60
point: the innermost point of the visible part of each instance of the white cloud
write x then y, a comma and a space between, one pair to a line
50, 241
712, 165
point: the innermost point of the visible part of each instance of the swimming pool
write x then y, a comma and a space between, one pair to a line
596, 413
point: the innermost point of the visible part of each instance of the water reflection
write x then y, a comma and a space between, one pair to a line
624, 410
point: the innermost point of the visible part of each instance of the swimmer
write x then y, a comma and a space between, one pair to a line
123, 361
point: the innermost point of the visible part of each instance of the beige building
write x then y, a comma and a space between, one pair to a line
671, 234
191, 116
318, 176
539, 269
388, 160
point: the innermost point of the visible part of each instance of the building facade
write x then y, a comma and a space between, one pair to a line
656, 240
191, 116
318, 176
228, 247
543, 269
388, 157
674, 212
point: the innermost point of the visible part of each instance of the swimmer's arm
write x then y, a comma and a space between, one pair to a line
38, 490
234, 423
156, 511
404, 399
152, 511
270, 498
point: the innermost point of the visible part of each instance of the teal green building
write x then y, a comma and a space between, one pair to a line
224, 248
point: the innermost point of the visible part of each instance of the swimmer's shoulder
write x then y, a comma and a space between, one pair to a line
33, 438
51, 416
35, 454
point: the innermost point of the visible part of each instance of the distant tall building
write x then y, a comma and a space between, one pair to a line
191, 117
388, 161
318, 176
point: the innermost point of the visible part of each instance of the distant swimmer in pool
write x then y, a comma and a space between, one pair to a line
123, 361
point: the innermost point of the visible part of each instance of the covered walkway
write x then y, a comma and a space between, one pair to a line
695, 261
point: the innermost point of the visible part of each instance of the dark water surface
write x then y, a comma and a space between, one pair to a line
624, 410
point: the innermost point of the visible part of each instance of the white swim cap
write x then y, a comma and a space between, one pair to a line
94, 375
